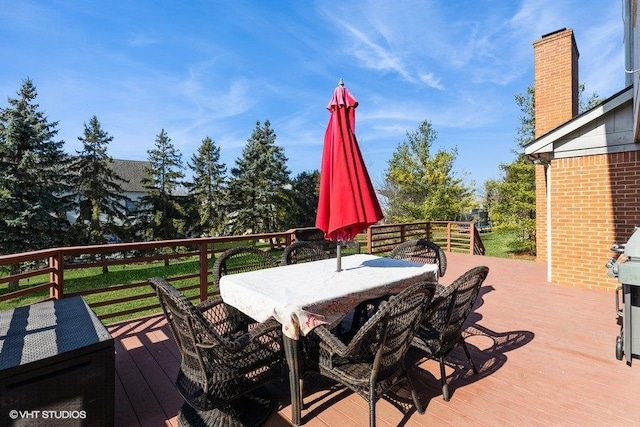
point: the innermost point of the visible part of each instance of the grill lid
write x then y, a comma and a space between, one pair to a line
632, 248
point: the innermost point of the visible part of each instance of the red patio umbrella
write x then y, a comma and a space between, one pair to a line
347, 203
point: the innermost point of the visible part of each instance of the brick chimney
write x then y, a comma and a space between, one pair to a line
556, 80
556, 102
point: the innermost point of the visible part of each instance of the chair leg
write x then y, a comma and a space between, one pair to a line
372, 408
466, 350
414, 395
443, 380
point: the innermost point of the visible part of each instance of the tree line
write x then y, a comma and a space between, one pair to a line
40, 184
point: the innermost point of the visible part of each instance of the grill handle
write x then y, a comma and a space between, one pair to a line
619, 297
618, 247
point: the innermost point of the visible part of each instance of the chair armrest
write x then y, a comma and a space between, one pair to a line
331, 341
265, 328
252, 337
441, 290
208, 304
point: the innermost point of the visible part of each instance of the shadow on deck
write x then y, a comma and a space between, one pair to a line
545, 354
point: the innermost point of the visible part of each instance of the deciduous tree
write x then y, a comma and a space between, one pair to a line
511, 200
421, 185
513, 204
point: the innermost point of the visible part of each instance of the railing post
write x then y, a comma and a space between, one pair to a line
449, 236
370, 240
427, 230
403, 233
204, 271
56, 277
472, 238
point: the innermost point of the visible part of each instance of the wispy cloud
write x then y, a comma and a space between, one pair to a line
143, 39
431, 80
373, 55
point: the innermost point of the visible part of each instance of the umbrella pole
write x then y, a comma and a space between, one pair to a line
339, 257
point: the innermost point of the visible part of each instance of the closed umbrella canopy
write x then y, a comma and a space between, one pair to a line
347, 201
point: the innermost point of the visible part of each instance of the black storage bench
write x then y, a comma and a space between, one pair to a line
57, 366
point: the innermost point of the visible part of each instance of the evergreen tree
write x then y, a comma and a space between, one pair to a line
165, 215
303, 200
34, 177
208, 188
97, 189
257, 184
421, 185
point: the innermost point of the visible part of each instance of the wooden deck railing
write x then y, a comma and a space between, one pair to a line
452, 236
117, 293
42, 274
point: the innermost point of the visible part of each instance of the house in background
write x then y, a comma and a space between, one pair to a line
587, 165
132, 171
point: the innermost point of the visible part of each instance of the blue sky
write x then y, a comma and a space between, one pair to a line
213, 68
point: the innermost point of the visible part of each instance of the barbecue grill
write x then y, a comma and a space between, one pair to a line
626, 267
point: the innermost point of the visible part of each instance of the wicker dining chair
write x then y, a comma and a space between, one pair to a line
423, 251
441, 330
224, 363
241, 259
373, 360
302, 251
420, 251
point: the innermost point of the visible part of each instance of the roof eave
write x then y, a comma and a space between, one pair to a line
545, 143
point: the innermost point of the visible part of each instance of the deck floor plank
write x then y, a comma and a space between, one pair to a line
545, 355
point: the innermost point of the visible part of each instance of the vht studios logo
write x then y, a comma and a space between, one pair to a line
52, 415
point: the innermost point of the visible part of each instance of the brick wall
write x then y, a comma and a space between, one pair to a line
595, 203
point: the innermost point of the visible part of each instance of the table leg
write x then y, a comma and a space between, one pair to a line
291, 353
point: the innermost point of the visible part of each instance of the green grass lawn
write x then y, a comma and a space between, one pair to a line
499, 244
93, 278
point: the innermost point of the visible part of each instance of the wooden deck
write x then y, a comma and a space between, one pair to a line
546, 356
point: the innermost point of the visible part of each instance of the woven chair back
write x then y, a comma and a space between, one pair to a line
421, 251
302, 251
189, 330
241, 259
459, 302
387, 335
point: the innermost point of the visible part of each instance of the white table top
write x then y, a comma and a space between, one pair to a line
303, 296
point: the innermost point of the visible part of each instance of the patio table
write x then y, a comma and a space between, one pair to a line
303, 296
